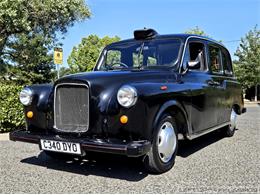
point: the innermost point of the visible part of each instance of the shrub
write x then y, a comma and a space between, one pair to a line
11, 110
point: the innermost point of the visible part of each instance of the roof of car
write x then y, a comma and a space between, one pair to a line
184, 37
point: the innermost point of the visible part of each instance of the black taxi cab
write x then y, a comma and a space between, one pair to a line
144, 95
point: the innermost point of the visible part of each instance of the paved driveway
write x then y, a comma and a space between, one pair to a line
208, 164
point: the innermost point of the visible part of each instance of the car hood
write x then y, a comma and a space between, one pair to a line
103, 85
105, 79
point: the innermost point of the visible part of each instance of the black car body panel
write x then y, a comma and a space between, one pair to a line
203, 99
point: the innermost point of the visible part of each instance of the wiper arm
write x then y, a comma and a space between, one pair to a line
138, 56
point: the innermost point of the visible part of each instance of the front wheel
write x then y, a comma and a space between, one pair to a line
161, 156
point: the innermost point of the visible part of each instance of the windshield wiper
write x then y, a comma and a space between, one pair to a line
138, 56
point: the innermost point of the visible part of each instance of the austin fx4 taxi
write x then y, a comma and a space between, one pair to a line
143, 96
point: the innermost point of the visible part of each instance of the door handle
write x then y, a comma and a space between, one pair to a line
213, 83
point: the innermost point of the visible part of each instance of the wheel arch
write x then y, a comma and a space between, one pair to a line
176, 110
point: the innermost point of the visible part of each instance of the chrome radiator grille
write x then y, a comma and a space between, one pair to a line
71, 108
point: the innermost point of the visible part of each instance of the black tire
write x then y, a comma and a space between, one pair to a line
152, 160
228, 132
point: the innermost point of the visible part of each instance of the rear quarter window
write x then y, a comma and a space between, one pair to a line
226, 61
215, 59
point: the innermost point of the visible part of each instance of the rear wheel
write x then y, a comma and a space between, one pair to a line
161, 156
231, 128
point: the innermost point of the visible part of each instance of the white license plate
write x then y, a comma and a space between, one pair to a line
59, 146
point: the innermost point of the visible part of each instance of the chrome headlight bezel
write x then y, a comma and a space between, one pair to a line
127, 96
26, 96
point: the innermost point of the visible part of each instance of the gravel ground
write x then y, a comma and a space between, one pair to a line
210, 164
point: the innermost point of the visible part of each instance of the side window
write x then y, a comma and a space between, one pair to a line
196, 56
226, 61
214, 59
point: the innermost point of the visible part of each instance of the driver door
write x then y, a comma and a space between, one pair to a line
202, 109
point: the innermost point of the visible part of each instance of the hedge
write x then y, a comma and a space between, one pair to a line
11, 110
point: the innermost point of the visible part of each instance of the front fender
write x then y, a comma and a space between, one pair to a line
107, 102
41, 95
40, 107
167, 105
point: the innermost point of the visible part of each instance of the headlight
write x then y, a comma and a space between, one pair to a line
127, 96
26, 96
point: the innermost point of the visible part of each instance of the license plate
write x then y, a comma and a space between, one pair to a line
60, 146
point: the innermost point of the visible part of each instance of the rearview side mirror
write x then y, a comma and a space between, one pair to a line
193, 64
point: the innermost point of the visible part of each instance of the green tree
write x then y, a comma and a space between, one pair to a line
196, 31
84, 56
63, 71
11, 110
29, 60
47, 17
29, 29
247, 67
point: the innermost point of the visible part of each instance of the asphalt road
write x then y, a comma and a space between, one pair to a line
208, 164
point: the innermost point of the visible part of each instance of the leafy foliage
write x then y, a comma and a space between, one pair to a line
196, 31
31, 60
64, 71
247, 67
84, 56
11, 110
28, 32
29, 29
46, 17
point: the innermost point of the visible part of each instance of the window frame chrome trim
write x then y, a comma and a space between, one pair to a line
197, 37
104, 50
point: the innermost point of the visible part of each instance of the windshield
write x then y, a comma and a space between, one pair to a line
140, 54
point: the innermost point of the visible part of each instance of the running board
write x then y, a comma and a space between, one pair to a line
193, 136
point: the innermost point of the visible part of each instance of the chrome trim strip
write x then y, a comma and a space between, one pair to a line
193, 136
99, 60
60, 84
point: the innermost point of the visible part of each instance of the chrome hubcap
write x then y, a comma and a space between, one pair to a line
166, 142
233, 120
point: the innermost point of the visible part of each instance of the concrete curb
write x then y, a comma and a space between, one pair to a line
252, 104
4, 136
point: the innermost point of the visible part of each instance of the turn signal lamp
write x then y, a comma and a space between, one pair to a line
123, 119
29, 114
